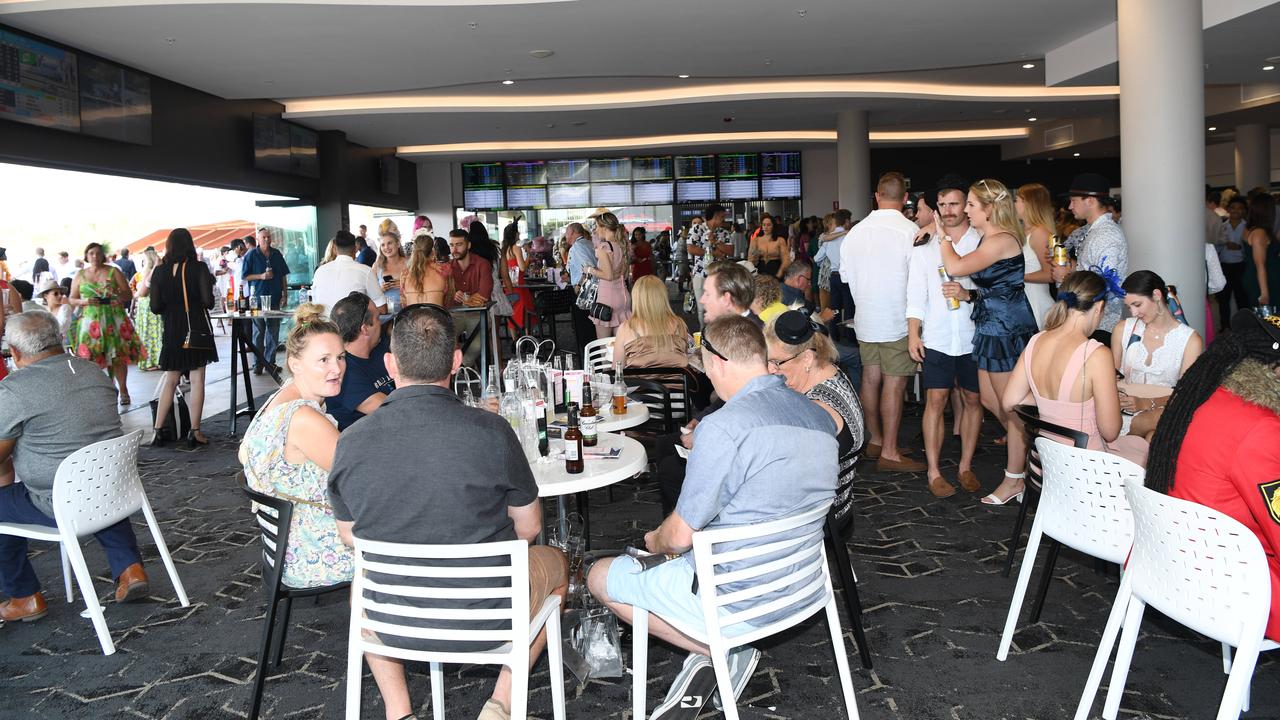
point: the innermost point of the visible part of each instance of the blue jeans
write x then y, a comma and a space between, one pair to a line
17, 577
266, 335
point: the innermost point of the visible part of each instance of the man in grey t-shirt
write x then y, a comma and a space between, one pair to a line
53, 405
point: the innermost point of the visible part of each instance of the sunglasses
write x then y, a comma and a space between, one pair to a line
706, 345
776, 365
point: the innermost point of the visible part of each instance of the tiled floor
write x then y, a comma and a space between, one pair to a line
929, 579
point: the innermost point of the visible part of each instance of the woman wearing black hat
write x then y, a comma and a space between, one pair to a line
801, 352
1218, 443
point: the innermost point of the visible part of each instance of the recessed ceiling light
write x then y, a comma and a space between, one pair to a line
508, 82
1028, 66
1032, 119
802, 13
577, 123
541, 54
1212, 128
1075, 154
1268, 67
683, 76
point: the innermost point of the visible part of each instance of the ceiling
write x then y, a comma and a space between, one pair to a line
441, 56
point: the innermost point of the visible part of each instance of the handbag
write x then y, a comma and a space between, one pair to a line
196, 338
178, 424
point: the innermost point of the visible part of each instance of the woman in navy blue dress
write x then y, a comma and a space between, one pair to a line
1001, 313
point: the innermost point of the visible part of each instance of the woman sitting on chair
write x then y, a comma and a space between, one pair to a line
1218, 443
1071, 384
654, 336
288, 450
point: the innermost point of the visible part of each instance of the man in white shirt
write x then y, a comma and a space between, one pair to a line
65, 267
873, 261
708, 242
941, 338
335, 280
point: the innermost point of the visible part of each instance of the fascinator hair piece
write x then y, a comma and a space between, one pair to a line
795, 328
1110, 277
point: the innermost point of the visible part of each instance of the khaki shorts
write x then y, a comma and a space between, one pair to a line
892, 357
548, 570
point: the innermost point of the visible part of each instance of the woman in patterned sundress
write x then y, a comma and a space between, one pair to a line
288, 450
149, 325
104, 333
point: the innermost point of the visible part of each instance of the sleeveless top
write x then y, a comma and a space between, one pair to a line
1037, 293
1080, 416
1162, 367
838, 394
316, 555
1002, 317
656, 351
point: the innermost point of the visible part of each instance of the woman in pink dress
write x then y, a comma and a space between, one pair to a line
1070, 378
612, 273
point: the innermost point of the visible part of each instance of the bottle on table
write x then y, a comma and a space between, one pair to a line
544, 442
619, 389
573, 463
231, 296
588, 417
489, 397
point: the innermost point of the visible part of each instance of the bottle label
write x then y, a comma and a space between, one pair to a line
589, 426
572, 451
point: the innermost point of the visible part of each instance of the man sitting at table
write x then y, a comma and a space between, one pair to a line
467, 497
53, 405
335, 280
767, 454
473, 283
366, 383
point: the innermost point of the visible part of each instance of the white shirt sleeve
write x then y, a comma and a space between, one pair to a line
917, 287
374, 289
1217, 280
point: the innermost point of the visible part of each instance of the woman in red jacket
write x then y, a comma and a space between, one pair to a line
1218, 442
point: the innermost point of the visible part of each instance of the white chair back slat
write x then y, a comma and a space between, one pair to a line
459, 614
437, 552
812, 589
1198, 566
728, 556
390, 629
98, 485
801, 573
436, 571
764, 568
598, 355
1083, 503
419, 591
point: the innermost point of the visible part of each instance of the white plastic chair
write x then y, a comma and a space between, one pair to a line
96, 487
1267, 646
598, 356
394, 563
1082, 506
1201, 569
801, 559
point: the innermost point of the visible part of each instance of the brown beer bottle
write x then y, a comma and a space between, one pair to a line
573, 443
589, 415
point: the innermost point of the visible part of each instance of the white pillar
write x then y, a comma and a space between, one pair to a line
1253, 157
853, 162
1161, 45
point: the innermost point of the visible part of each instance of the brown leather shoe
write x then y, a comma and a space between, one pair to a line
872, 452
26, 609
132, 585
969, 481
941, 488
906, 464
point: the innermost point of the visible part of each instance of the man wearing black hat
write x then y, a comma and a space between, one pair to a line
1103, 250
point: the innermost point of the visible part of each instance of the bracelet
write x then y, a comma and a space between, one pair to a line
947, 239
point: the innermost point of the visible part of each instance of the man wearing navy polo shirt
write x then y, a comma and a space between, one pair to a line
265, 270
366, 383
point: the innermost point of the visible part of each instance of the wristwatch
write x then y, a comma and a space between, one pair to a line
973, 296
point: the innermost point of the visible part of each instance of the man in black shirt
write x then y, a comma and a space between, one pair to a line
426, 469
366, 383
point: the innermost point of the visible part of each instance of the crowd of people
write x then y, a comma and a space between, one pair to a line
796, 350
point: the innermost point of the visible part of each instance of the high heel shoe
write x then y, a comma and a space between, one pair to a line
157, 439
195, 437
993, 499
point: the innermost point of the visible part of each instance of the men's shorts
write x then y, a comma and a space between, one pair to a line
666, 591
892, 357
548, 570
943, 371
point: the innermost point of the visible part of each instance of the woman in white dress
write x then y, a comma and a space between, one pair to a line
1035, 210
1152, 349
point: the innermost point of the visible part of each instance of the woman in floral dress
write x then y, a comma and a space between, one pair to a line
150, 327
104, 333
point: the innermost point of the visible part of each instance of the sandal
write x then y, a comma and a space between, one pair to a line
994, 499
195, 437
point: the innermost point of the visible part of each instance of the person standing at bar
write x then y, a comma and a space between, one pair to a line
265, 271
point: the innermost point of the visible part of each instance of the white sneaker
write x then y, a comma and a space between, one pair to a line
690, 690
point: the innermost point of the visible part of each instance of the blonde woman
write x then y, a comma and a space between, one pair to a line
611, 254
392, 264
150, 326
426, 280
1035, 210
1002, 315
654, 336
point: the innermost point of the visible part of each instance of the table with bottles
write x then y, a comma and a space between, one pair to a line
242, 348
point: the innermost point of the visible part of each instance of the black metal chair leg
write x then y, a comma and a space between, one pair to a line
1050, 560
852, 602
584, 508
260, 675
1016, 538
278, 650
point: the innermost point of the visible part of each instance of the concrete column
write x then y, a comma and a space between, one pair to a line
1253, 157
332, 212
1161, 44
853, 162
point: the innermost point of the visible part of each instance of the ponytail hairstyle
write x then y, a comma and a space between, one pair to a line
308, 321
613, 231
1243, 342
997, 201
1079, 291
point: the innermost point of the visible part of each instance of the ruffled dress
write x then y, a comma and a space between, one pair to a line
1002, 317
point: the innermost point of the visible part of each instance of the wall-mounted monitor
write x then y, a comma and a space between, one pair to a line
389, 174
527, 197
283, 147
740, 189
483, 198
304, 158
568, 171
481, 174
524, 173
115, 103
779, 175
611, 195
695, 191
780, 163
652, 167
38, 83
610, 169
574, 195
661, 192
689, 167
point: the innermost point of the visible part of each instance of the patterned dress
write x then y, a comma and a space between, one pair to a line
838, 394
150, 329
104, 334
315, 556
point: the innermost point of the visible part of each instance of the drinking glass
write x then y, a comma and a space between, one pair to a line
265, 302
255, 305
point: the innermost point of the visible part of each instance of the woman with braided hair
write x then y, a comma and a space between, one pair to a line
1218, 443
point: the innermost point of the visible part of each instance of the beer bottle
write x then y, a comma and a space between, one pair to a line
573, 443
589, 415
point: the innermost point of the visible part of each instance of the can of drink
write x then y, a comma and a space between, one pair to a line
952, 303
1060, 257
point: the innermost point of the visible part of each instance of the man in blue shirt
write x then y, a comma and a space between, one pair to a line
265, 271
366, 382
768, 453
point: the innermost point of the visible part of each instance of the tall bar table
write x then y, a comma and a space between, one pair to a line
241, 346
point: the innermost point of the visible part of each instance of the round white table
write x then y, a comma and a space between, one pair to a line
553, 481
637, 414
